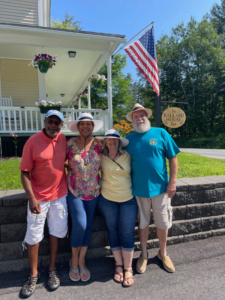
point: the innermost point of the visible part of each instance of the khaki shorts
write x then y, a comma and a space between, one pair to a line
162, 211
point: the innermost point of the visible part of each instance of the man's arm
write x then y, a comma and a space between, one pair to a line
171, 187
34, 205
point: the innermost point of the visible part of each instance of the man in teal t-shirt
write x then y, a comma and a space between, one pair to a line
149, 148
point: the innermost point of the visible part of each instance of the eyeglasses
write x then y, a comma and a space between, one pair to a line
50, 122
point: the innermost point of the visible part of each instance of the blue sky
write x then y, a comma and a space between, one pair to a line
128, 17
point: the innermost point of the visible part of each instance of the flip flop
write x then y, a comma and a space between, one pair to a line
74, 271
83, 271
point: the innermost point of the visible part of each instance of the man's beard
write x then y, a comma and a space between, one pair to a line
142, 127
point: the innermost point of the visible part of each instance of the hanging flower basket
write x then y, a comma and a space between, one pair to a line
43, 62
97, 80
43, 68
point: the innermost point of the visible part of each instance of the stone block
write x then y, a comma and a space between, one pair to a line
10, 251
194, 226
15, 198
152, 233
179, 213
13, 232
99, 223
188, 197
179, 228
15, 214
64, 245
207, 210
2, 195
14, 265
214, 195
218, 208
211, 223
97, 239
98, 252
197, 183
193, 211
44, 248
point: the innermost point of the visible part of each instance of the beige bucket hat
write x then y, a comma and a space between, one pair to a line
137, 107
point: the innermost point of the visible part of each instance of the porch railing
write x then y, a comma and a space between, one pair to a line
30, 120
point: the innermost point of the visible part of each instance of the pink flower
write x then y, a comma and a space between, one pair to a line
83, 154
97, 149
70, 154
72, 178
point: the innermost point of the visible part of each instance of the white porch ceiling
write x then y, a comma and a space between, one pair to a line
70, 75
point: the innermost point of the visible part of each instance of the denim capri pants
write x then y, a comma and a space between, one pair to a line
82, 215
120, 219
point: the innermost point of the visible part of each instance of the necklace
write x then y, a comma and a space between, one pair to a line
113, 159
114, 156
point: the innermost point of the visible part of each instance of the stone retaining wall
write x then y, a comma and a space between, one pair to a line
198, 212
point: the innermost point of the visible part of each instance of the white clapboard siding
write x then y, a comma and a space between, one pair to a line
19, 12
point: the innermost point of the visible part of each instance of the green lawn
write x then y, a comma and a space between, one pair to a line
189, 165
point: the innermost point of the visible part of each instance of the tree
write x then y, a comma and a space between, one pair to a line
218, 17
121, 89
191, 70
68, 23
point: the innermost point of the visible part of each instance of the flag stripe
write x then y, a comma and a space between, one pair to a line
143, 54
146, 62
154, 85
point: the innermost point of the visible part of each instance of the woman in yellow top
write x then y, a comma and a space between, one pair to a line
117, 205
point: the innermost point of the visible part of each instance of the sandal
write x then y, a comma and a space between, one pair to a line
117, 273
29, 287
53, 280
125, 283
75, 271
83, 271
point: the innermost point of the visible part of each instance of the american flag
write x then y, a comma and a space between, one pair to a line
143, 53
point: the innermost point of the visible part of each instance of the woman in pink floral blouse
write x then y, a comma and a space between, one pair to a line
84, 156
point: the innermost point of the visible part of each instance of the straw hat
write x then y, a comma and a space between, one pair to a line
138, 107
114, 134
85, 117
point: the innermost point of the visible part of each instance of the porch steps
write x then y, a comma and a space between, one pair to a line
198, 213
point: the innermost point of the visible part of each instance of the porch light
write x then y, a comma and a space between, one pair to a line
72, 54
62, 95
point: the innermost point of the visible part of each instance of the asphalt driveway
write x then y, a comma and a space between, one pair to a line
212, 153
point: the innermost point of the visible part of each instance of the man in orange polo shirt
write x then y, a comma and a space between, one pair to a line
44, 180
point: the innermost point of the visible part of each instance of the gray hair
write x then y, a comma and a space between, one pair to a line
105, 152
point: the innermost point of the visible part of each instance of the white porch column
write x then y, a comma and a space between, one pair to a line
109, 89
41, 85
89, 95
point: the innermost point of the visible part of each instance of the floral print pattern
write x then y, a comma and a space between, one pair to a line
83, 175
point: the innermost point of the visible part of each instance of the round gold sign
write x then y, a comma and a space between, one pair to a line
173, 117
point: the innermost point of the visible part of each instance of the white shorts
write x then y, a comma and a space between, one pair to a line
162, 211
55, 212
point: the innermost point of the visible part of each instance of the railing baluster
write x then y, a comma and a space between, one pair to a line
23, 119
26, 125
31, 120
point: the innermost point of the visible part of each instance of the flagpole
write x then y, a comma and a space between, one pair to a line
158, 111
133, 38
